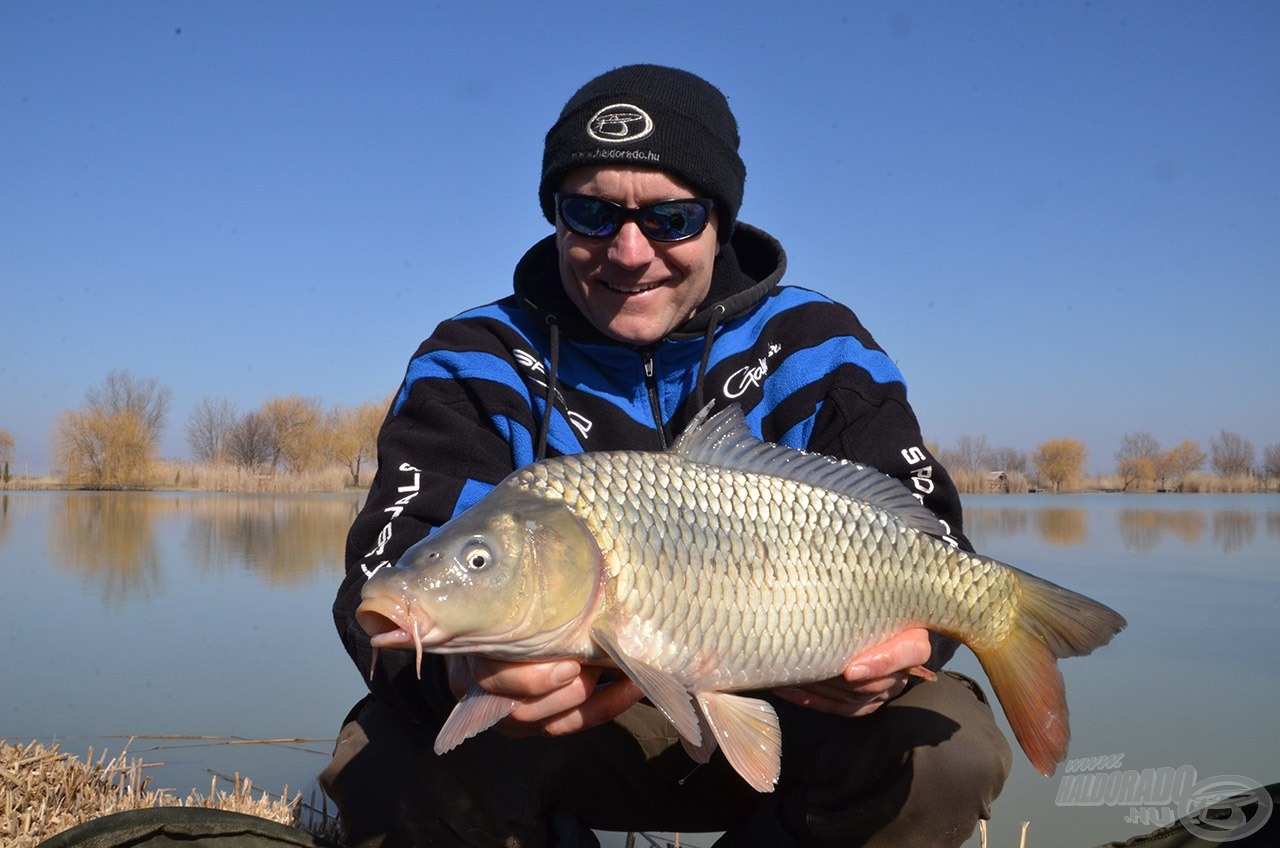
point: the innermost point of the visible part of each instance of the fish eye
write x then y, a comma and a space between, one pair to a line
477, 556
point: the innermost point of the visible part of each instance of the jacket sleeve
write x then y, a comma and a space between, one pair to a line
432, 449
880, 430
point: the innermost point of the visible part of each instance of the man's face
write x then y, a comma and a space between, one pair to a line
632, 289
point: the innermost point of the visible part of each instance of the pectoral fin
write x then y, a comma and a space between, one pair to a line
666, 693
476, 711
749, 734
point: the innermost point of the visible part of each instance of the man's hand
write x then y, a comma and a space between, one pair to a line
871, 679
556, 698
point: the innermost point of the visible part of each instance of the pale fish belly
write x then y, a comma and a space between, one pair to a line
732, 581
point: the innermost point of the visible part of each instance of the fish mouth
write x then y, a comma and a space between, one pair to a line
397, 623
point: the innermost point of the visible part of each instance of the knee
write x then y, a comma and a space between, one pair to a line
977, 755
966, 773
938, 764
393, 791
955, 782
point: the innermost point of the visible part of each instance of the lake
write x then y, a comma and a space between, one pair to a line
200, 615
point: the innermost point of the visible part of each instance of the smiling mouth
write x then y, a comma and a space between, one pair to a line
628, 289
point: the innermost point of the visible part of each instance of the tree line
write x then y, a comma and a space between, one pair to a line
1140, 463
112, 440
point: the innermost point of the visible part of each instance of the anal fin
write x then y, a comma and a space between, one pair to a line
748, 732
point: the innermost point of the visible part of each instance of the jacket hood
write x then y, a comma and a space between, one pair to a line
745, 271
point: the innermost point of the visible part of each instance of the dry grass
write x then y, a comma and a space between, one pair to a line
171, 475
201, 477
44, 791
23, 483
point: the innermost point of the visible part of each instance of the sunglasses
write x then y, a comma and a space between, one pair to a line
667, 220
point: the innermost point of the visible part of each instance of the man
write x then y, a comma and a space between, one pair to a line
650, 300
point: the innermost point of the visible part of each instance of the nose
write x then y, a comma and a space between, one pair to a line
630, 248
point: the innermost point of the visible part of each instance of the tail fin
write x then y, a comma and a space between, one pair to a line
1051, 622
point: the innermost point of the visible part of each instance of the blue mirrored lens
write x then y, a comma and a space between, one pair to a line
590, 216
672, 221
668, 220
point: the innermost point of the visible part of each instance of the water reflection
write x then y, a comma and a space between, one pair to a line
114, 540
109, 540
1233, 530
1141, 529
285, 541
995, 521
1064, 527
6, 522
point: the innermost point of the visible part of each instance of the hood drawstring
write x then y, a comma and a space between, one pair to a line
550, 398
709, 338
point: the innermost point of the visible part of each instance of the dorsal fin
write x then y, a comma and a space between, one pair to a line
725, 440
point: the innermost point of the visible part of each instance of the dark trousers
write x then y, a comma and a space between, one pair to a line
920, 771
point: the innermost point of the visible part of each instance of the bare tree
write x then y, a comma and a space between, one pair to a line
1136, 458
123, 393
1009, 459
208, 427
1183, 460
6, 454
971, 453
1230, 454
1060, 461
297, 432
1271, 462
111, 442
353, 436
101, 450
250, 443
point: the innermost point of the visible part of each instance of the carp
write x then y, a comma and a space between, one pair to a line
722, 566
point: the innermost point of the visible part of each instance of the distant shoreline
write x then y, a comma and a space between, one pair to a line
284, 484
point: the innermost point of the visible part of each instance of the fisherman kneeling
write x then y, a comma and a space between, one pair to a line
649, 300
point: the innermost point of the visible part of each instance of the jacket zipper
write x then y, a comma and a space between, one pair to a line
651, 383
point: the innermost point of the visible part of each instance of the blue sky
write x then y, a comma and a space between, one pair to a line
1060, 219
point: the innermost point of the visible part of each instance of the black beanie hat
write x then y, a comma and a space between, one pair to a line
653, 117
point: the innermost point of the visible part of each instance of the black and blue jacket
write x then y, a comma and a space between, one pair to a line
527, 377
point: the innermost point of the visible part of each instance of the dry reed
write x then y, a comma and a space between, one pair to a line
44, 791
224, 477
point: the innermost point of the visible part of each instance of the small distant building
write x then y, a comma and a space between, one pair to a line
997, 483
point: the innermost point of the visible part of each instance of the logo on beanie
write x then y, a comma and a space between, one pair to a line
619, 123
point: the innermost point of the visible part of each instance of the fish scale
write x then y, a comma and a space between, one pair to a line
722, 566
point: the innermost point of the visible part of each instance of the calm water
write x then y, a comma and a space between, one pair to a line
176, 614
208, 615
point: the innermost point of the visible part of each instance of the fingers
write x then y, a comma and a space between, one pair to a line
604, 704
871, 679
562, 697
839, 697
908, 649
523, 680
555, 698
